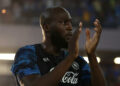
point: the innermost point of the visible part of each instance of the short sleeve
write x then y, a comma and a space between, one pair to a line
86, 76
25, 62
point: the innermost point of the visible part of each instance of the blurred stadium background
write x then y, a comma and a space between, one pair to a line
19, 26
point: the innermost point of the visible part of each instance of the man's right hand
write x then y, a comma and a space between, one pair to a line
73, 46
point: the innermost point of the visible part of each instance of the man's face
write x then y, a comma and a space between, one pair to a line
61, 30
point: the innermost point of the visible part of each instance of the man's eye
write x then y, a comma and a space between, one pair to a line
62, 22
67, 22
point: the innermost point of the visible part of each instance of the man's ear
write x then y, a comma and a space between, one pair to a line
46, 28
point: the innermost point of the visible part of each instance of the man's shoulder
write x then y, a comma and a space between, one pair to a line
29, 47
25, 62
27, 51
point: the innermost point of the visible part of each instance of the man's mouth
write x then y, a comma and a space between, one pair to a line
68, 36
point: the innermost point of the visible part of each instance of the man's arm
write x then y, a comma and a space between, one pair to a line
97, 77
91, 44
53, 78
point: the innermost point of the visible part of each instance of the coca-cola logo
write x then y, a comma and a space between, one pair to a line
70, 77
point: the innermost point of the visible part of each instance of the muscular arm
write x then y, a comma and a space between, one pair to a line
97, 77
50, 79
91, 44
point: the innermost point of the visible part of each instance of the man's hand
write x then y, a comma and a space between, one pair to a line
73, 46
97, 77
91, 43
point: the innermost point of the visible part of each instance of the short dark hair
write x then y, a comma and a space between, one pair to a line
49, 14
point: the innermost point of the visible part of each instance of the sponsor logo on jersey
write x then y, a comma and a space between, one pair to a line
46, 59
69, 77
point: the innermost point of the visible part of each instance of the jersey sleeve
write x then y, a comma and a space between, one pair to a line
86, 75
25, 62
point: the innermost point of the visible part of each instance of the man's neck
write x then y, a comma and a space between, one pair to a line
49, 48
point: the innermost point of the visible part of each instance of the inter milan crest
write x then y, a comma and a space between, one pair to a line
75, 65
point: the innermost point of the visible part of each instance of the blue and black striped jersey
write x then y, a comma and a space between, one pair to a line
33, 59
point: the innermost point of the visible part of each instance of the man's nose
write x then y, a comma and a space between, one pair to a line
69, 26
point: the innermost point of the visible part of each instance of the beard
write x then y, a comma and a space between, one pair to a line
58, 40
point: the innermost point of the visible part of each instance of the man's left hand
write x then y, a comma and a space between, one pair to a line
92, 42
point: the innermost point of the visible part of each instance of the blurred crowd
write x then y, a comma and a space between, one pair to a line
108, 11
28, 11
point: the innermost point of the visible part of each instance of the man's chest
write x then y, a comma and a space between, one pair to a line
70, 78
